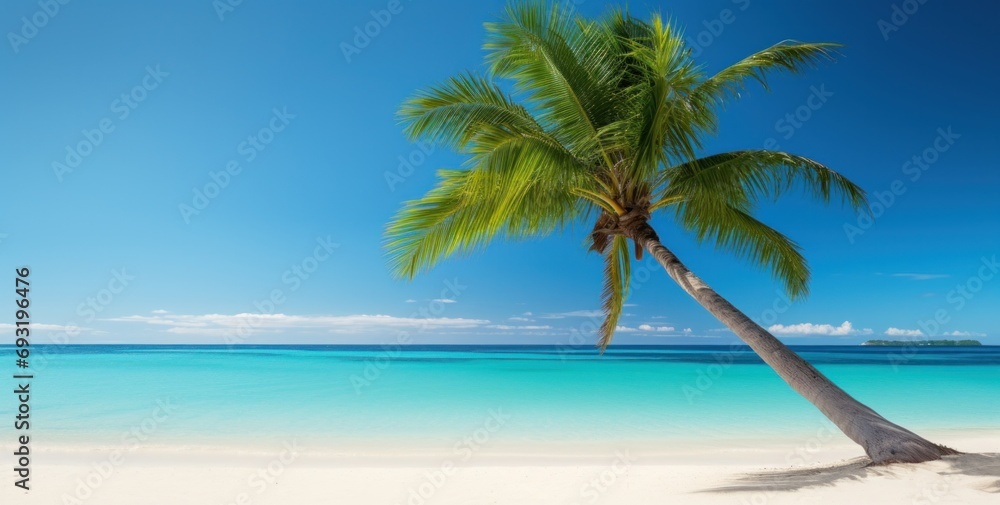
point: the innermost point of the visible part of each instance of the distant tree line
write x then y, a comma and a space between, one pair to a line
922, 342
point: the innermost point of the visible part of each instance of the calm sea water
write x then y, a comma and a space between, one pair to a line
336, 394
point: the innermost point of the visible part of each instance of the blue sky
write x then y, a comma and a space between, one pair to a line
116, 112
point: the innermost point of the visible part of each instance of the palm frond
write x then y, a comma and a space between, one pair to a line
660, 75
745, 177
461, 109
605, 120
732, 229
565, 71
617, 273
791, 56
521, 189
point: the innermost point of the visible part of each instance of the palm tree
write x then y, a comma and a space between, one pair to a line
604, 122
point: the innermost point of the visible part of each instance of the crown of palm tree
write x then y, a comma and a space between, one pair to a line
604, 122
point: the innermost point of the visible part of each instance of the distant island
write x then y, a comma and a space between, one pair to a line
924, 342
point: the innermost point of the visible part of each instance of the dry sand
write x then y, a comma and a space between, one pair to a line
750, 474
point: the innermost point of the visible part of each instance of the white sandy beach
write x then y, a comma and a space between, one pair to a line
796, 472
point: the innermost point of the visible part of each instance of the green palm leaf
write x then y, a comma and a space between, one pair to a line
522, 188
617, 273
605, 119
787, 55
744, 177
735, 231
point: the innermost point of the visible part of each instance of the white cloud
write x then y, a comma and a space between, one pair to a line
529, 314
519, 328
625, 329
411, 300
203, 332
922, 277
687, 330
219, 324
659, 329
898, 332
846, 328
444, 300
51, 327
524, 319
161, 311
575, 313
957, 333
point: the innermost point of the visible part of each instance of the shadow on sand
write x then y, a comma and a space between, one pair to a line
974, 465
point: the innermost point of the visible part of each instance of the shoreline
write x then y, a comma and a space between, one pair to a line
826, 434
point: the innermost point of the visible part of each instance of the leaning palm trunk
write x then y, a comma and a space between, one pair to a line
883, 441
610, 106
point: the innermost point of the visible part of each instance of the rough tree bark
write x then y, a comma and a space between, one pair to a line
883, 441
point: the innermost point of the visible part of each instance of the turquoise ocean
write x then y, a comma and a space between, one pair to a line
358, 396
